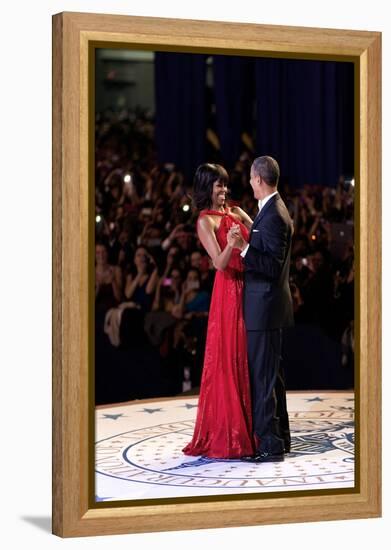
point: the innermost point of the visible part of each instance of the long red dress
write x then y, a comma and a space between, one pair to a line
224, 426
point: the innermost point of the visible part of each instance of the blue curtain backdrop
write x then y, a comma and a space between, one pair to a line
180, 109
305, 118
234, 100
299, 111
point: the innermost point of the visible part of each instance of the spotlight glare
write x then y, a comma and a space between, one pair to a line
98, 219
185, 207
127, 178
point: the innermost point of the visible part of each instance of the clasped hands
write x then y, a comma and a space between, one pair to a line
235, 237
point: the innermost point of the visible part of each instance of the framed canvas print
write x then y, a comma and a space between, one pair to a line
216, 274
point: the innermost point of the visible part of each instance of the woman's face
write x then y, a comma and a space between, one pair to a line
123, 238
141, 257
219, 193
115, 191
192, 280
101, 254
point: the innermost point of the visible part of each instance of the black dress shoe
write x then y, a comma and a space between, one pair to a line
248, 458
264, 456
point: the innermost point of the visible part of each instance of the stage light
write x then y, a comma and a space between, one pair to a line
127, 178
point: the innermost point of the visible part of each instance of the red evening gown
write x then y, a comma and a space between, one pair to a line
224, 425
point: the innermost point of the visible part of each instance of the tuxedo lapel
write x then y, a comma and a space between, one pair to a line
257, 217
260, 214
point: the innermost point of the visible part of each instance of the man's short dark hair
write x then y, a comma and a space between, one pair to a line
267, 168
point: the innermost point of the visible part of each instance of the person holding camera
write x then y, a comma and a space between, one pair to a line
194, 301
108, 279
168, 291
141, 282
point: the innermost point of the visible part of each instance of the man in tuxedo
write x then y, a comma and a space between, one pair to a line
267, 310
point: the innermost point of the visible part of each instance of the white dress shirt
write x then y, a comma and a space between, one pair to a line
261, 204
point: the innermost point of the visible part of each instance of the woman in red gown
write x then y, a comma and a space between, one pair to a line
223, 426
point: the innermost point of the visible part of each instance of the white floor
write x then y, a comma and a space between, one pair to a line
138, 451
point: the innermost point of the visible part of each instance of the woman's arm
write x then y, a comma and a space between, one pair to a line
179, 308
131, 285
206, 234
152, 282
168, 240
315, 224
117, 283
244, 217
156, 301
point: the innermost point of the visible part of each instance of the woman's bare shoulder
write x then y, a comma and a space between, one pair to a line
236, 210
206, 221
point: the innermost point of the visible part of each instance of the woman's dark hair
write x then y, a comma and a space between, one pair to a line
195, 270
176, 267
131, 268
102, 242
204, 178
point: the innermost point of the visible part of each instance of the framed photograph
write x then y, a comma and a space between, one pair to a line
138, 104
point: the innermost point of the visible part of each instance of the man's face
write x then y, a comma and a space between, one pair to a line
254, 182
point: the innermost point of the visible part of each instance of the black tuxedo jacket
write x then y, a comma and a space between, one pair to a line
267, 297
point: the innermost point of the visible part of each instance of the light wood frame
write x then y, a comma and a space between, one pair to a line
74, 514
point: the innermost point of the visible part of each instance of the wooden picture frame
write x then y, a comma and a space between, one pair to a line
74, 513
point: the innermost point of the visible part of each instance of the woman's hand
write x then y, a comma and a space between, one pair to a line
235, 238
104, 277
152, 261
185, 289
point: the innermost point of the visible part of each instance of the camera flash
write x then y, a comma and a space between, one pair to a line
127, 178
98, 219
186, 207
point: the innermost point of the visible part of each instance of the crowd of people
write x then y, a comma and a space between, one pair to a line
153, 279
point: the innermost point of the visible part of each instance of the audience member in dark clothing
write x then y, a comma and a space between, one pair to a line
142, 280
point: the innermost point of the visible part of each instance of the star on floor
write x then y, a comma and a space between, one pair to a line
112, 416
315, 399
151, 411
187, 406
